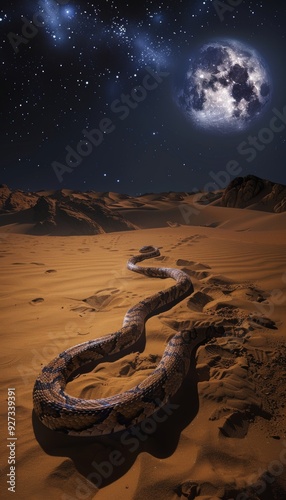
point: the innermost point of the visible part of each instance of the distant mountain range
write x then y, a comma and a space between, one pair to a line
67, 212
253, 192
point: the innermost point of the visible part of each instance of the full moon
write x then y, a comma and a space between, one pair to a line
227, 87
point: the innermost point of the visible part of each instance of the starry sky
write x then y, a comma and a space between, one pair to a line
89, 94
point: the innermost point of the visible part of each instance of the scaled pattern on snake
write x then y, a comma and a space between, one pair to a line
61, 412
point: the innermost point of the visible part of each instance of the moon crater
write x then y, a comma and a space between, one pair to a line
226, 88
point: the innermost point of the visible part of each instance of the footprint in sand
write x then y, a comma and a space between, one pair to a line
224, 309
199, 275
235, 425
37, 263
256, 295
259, 356
162, 258
39, 300
261, 321
229, 387
194, 269
198, 301
216, 292
65, 477
50, 271
190, 240
217, 350
222, 282
182, 262
199, 265
83, 309
100, 300
195, 238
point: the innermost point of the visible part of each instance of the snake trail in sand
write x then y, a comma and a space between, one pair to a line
90, 417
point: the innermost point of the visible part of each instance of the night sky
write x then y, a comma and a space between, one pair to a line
75, 67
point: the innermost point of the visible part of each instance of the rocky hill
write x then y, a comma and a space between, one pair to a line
60, 213
67, 212
253, 192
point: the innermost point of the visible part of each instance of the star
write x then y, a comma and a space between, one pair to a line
68, 72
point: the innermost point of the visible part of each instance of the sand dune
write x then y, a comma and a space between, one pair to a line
224, 435
66, 212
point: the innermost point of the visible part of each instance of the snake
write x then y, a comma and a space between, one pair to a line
59, 411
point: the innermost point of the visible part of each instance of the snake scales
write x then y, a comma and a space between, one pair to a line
59, 411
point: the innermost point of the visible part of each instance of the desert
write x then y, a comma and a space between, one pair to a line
64, 281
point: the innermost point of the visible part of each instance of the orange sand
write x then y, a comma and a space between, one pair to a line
226, 426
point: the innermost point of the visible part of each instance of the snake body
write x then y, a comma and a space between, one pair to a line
61, 412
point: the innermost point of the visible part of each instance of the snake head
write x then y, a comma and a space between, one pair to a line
147, 249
